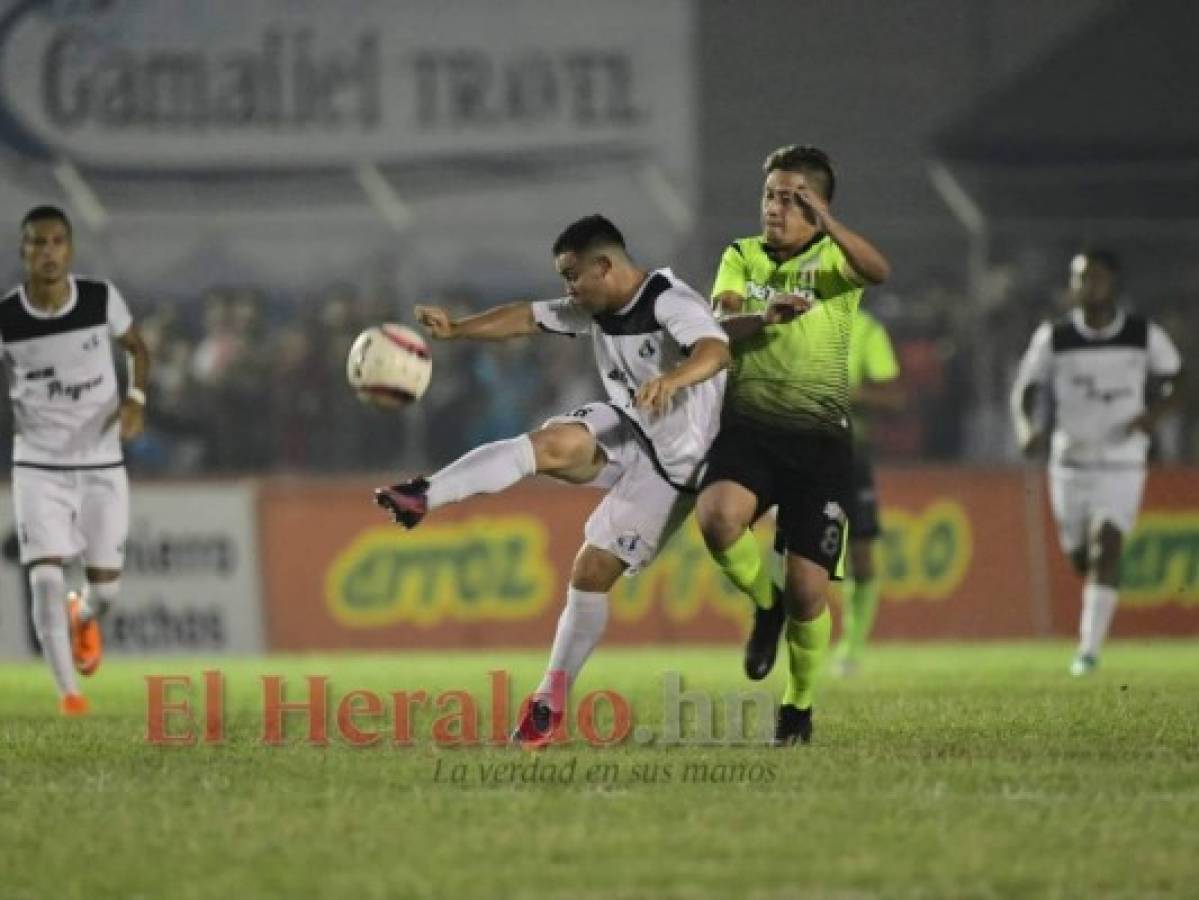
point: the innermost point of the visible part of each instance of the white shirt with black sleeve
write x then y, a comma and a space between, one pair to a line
61, 375
646, 338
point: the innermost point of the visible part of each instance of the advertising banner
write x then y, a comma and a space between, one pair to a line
965, 554
191, 583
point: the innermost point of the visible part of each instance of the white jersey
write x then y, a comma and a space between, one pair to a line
1097, 379
61, 377
648, 337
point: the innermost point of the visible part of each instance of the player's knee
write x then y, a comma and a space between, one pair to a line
1080, 559
804, 600
719, 522
595, 570
562, 447
1109, 547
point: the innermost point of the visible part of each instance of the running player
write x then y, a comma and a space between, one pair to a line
1110, 375
873, 374
70, 490
785, 435
661, 355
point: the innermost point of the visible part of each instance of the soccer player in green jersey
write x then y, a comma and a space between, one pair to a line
785, 429
873, 386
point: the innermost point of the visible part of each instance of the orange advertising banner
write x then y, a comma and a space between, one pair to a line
966, 553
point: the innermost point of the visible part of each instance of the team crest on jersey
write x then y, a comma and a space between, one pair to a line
92, 342
833, 510
647, 349
628, 541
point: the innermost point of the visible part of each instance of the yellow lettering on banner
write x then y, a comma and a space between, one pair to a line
1161, 561
481, 569
924, 554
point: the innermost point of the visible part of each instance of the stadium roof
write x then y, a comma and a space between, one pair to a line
1103, 128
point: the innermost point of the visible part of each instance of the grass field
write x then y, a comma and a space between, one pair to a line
947, 771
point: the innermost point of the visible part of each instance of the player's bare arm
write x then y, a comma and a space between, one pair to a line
866, 259
1166, 398
500, 323
708, 356
132, 412
783, 308
1033, 441
879, 396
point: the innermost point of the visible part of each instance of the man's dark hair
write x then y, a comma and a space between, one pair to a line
811, 162
47, 214
1103, 256
589, 233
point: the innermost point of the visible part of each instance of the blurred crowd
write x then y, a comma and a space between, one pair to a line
243, 382
246, 381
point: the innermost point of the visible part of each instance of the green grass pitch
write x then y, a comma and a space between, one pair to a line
940, 771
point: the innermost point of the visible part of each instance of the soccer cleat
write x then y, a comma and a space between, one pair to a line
794, 726
73, 705
537, 727
407, 501
763, 644
1084, 664
87, 644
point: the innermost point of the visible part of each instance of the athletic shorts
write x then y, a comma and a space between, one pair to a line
807, 476
863, 499
68, 512
641, 509
1083, 499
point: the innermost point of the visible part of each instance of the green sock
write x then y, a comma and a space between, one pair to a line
806, 643
859, 605
742, 563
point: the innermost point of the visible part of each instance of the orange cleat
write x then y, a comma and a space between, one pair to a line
87, 645
73, 705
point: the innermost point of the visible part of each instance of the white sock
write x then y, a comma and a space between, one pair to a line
580, 628
485, 470
1098, 608
50, 621
98, 597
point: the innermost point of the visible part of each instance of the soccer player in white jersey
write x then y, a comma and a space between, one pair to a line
661, 355
70, 492
1109, 375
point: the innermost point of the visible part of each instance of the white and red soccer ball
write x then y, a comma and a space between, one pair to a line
389, 366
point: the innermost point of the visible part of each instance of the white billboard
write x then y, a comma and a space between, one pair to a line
191, 585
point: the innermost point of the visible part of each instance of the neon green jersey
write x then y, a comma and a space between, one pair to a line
871, 359
792, 377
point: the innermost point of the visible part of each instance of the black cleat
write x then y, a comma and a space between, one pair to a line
763, 644
794, 726
407, 501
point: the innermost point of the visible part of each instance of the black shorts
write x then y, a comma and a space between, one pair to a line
863, 499
806, 476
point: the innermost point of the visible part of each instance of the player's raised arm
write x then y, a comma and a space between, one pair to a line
866, 260
499, 323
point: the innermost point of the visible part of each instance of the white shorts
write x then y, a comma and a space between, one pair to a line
63, 513
641, 509
1084, 499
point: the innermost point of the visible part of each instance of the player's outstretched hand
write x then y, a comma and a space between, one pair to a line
784, 308
655, 395
436, 321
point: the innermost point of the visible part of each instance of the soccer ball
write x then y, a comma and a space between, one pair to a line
389, 366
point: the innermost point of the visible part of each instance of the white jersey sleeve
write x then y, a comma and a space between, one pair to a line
561, 316
119, 317
687, 317
1164, 358
1035, 368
